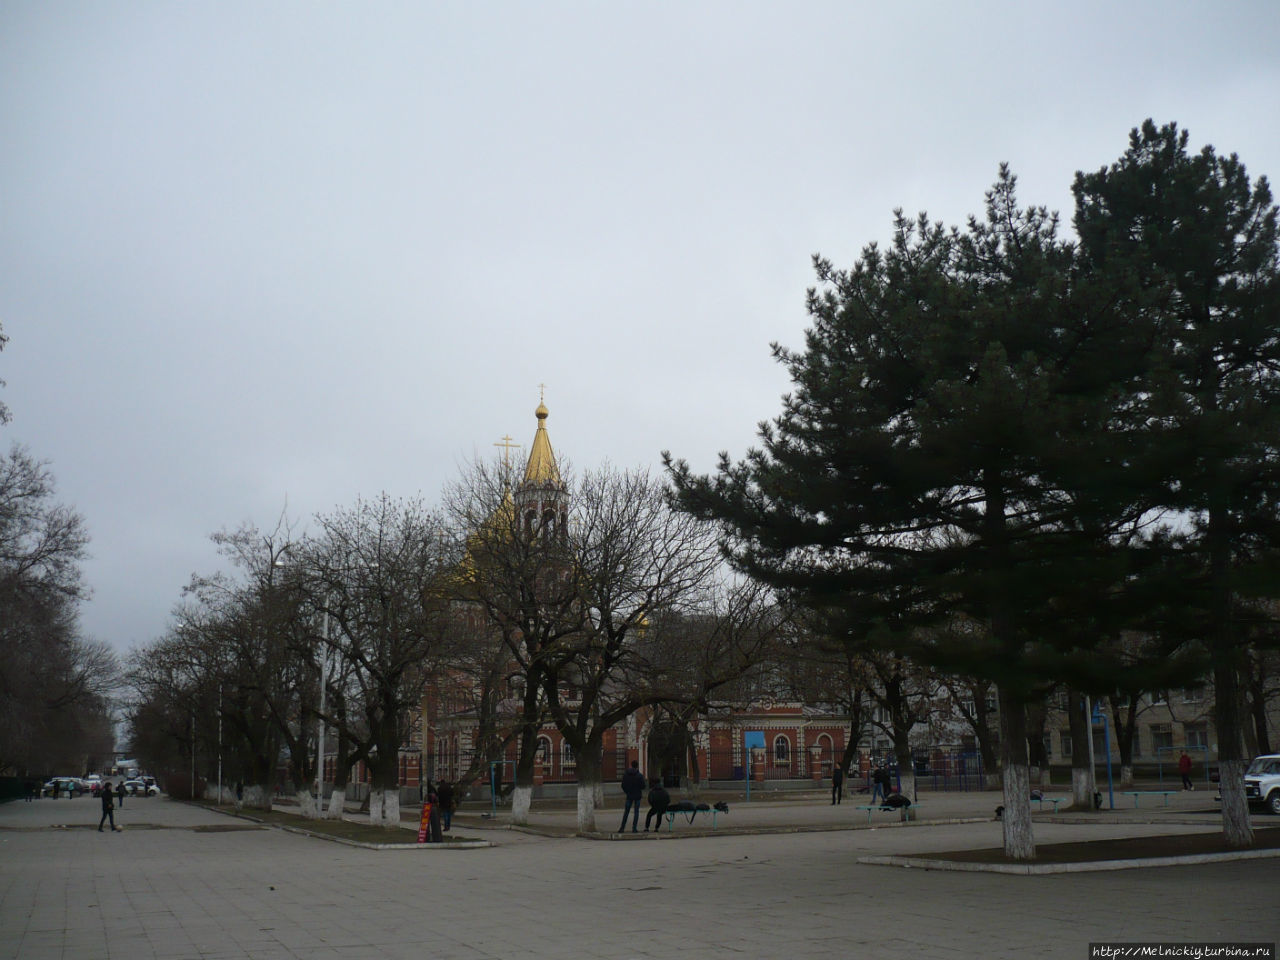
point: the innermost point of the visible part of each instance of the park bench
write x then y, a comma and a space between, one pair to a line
872, 808
1054, 800
690, 810
1136, 794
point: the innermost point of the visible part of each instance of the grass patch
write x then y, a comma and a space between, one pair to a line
341, 829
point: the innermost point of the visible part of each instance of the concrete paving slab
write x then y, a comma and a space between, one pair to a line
173, 891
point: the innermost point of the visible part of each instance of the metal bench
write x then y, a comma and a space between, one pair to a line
1054, 800
1136, 794
872, 808
691, 811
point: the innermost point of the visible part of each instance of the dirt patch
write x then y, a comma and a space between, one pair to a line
1124, 848
226, 827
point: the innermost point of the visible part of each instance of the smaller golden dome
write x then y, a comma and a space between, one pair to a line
541, 412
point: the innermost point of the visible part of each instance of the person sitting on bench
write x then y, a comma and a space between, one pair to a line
895, 801
659, 800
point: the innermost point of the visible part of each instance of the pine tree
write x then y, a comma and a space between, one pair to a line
929, 462
1199, 239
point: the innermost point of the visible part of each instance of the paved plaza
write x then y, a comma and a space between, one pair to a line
184, 882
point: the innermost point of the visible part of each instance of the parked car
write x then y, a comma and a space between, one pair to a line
1262, 782
64, 786
140, 788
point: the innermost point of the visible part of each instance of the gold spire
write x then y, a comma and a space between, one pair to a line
542, 461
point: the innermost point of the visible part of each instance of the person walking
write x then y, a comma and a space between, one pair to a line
837, 785
659, 800
880, 783
633, 787
240, 796
1184, 768
108, 809
119, 793
447, 799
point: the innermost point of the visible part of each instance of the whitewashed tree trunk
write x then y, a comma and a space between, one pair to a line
257, 796
337, 803
907, 781
587, 807
1019, 839
391, 807
1081, 789
521, 800
376, 797
1126, 775
1019, 842
306, 803
1236, 829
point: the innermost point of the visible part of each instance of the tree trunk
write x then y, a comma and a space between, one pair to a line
1236, 829
1081, 774
257, 796
337, 801
1036, 752
1126, 774
521, 800
1019, 840
306, 801
341, 777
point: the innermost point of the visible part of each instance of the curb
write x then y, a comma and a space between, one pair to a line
1042, 869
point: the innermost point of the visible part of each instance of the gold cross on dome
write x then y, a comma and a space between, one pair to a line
507, 446
542, 390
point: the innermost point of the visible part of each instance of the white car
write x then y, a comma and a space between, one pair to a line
1262, 782
140, 788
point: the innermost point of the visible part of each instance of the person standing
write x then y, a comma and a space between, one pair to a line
445, 792
659, 800
108, 809
837, 785
633, 787
119, 793
1184, 768
240, 796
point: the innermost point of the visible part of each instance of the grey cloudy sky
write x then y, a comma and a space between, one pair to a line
258, 253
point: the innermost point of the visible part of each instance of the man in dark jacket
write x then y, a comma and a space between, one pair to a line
108, 806
633, 787
659, 800
880, 783
445, 792
837, 785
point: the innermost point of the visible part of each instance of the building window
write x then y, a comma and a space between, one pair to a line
781, 751
566, 755
1048, 745
1066, 743
1161, 738
1197, 735
1193, 694
544, 755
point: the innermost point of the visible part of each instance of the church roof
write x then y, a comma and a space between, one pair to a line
542, 468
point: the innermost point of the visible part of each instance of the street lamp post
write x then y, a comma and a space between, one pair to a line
219, 744
324, 682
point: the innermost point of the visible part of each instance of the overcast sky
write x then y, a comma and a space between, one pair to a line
258, 254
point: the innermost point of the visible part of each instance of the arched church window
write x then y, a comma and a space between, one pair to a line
781, 749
